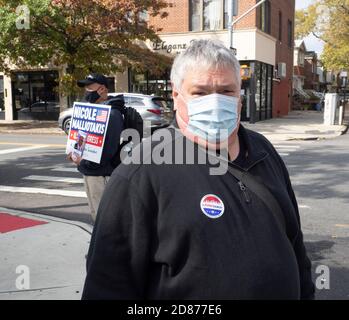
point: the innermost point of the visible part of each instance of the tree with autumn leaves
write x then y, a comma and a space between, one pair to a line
81, 36
327, 20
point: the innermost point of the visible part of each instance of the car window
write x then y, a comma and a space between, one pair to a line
161, 103
135, 102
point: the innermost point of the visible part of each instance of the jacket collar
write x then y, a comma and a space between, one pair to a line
255, 153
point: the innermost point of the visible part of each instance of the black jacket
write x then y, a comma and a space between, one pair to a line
153, 241
110, 149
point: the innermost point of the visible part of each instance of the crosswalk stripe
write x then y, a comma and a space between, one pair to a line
65, 169
282, 154
286, 146
54, 179
14, 150
286, 150
56, 192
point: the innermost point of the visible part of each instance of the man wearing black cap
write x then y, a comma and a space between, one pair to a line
96, 86
96, 175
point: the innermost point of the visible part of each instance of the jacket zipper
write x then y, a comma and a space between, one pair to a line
244, 192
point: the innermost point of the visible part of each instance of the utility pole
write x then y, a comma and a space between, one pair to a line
233, 12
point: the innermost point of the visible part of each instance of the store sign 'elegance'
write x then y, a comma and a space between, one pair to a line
169, 47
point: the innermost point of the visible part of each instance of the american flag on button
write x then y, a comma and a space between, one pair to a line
102, 116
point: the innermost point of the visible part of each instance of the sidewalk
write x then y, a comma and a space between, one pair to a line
298, 125
51, 250
30, 127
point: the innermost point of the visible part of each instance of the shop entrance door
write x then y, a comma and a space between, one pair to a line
246, 100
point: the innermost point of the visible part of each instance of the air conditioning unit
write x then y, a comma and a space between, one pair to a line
281, 70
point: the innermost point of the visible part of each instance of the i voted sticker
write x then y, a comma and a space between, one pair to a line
212, 206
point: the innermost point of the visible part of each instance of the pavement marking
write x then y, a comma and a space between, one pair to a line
303, 206
12, 223
14, 150
342, 225
55, 179
285, 150
283, 154
32, 144
61, 169
280, 146
56, 192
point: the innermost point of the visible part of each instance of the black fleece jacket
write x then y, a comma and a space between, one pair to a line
152, 239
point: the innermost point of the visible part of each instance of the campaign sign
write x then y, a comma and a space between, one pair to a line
87, 131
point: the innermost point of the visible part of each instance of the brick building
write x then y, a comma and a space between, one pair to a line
263, 40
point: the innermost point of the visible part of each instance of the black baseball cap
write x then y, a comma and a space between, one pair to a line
93, 78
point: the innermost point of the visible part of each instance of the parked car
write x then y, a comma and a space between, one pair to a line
151, 108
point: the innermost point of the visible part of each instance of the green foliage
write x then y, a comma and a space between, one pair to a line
84, 35
329, 21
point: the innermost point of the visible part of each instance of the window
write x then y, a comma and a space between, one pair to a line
2, 105
212, 14
280, 26
226, 14
290, 33
301, 58
265, 17
195, 15
208, 15
135, 102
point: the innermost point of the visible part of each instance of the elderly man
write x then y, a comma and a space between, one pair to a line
175, 231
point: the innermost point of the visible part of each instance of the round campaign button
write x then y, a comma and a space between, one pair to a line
212, 206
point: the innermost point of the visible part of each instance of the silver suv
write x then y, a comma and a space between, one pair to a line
151, 108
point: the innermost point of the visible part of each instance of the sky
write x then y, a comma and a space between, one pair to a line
311, 42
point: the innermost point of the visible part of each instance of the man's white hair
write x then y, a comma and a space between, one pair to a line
204, 54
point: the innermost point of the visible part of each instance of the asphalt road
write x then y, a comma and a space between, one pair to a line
33, 167
319, 172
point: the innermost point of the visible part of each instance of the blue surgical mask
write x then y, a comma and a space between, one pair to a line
213, 117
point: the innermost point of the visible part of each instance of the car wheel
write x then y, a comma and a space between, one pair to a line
66, 125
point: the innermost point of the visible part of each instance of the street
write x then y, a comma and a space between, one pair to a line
35, 177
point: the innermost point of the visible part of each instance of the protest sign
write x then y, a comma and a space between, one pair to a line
88, 129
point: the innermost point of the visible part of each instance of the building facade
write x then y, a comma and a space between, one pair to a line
263, 41
310, 69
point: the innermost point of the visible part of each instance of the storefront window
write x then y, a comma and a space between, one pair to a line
263, 74
2, 104
263, 92
147, 83
269, 92
34, 94
258, 88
